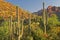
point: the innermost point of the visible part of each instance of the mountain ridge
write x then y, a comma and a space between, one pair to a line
50, 10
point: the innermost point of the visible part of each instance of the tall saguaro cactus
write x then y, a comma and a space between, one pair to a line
21, 34
22, 21
44, 17
29, 23
11, 27
17, 17
18, 22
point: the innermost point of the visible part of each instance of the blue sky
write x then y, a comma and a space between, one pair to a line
34, 5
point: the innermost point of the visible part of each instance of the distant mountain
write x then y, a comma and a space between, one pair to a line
39, 13
54, 10
50, 10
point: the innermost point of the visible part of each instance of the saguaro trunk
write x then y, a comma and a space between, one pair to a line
11, 27
29, 28
44, 17
18, 22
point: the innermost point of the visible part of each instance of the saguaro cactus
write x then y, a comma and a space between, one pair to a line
44, 18
29, 27
11, 27
18, 20
22, 21
17, 14
17, 17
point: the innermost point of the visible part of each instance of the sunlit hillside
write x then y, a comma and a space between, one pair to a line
17, 23
7, 9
